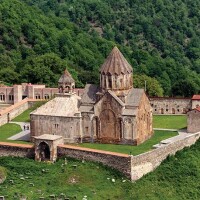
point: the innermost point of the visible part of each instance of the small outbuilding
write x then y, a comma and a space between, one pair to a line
193, 120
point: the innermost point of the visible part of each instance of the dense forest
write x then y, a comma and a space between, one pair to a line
160, 39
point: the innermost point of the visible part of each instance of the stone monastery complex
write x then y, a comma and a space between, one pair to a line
112, 112
113, 107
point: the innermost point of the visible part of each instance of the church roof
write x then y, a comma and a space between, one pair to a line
66, 77
116, 64
59, 106
89, 94
134, 97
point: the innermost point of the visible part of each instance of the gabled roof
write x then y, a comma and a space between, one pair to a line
116, 98
116, 64
66, 78
196, 97
89, 94
59, 106
134, 97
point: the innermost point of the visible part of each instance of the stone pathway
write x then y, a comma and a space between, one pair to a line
24, 134
182, 133
165, 129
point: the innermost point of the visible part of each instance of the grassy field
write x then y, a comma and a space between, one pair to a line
25, 116
170, 121
8, 130
176, 178
134, 150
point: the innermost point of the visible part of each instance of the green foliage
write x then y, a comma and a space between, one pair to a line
159, 38
176, 178
3, 174
170, 121
25, 116
134, 150
153, 88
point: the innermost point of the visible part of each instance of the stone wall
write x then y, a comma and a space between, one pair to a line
121, 162
133, 167
13, 111
147, 162
16, 150
166, 105
68, 127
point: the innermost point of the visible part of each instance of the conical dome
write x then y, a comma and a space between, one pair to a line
116, 73
116, 64
66, 78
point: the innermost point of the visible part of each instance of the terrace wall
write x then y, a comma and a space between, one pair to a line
119, 161
16, 150
147, 162
133, 167
13, 111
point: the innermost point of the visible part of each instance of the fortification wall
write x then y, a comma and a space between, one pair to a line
147, 162
121, 162
16, 150
164, 105
133, 167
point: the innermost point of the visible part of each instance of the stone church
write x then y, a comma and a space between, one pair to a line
113, 112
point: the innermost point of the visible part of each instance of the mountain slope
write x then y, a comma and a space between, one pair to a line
159, 39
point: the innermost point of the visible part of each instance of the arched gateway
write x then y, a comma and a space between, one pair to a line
46, 147
43, 151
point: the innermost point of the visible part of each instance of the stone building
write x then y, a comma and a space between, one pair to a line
113, 112
193, 120
195, 101
16, 93
170, 105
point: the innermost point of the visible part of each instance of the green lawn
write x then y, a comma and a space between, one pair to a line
25, 116
134, 150
8, 130
175, 179
170, 121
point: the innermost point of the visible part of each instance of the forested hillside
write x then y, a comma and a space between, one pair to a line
160, 38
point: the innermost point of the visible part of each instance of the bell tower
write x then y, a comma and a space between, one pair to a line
66, 83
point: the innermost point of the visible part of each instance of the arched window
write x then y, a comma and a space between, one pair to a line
46, 96
2, 97
110, 81
37, 96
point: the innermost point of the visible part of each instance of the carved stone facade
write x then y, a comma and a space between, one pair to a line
113, 112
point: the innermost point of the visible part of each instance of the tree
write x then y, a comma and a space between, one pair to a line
153, 88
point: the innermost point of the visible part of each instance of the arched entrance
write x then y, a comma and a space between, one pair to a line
108, 124
44, 151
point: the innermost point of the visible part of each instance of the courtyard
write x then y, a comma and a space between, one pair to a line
13, 132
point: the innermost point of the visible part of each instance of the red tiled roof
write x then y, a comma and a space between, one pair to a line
196, 97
